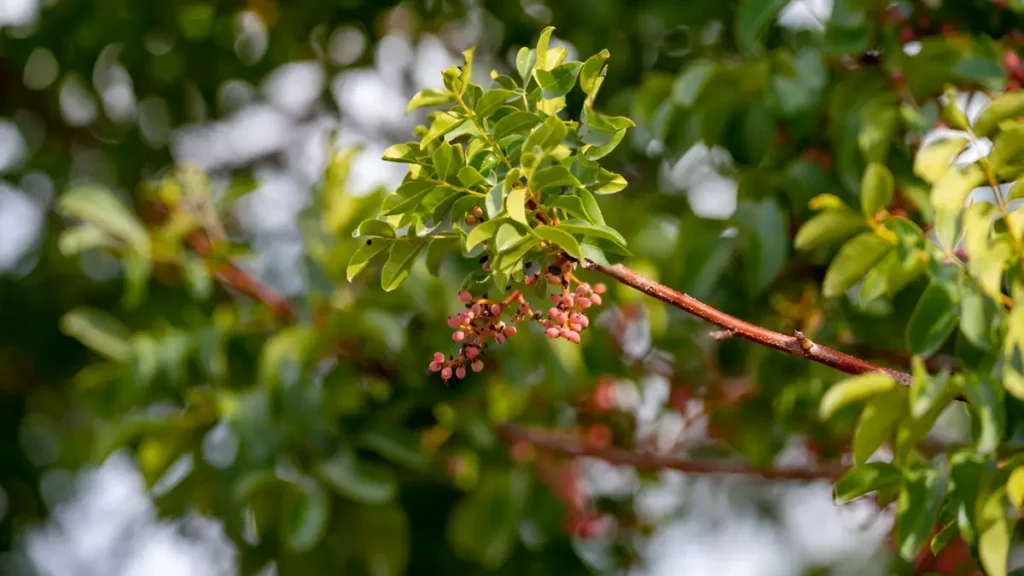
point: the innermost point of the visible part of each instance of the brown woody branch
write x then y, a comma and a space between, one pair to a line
568, 446
794, 345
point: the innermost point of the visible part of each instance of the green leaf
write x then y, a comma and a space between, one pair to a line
987, 400
608, 183
1005, 107
482, 528
926, 390
546, 136
558, 81
396, 445
552, 177
944, 538
933, 319
495, 200
515, 204
375, 229
467, 70
442, 161
598, 152
101, 208
1013, 353
569, 203
443, 123
853, 261
967, 468
407, 197
995, 529
506, 237
304, 516
484, 231
593, 72
918, 507
867, 478
400, 260
935, 160
877, 422
84, 237
356, 479
493, 99
854, 389
951, 190
593, 230
591, 206
515, 123
1007, 156
430, 97
438, 249
470, 177
876, 189
560, 238
99, 331
526, 58
363, 256
408, 153
752, 19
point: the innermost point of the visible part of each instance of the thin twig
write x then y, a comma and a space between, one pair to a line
244, 282
569, 446
795, 345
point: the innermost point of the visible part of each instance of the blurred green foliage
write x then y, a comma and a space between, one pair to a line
314, 429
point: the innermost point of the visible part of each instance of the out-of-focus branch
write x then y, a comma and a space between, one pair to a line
795, 345
238, 279
569, 446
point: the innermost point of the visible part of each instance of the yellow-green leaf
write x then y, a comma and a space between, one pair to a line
852, 390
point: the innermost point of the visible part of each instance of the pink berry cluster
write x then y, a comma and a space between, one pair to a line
474, 327
481, 321
568, 317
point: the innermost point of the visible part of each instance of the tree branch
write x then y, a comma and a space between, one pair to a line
794, 345
568, 446
237, 278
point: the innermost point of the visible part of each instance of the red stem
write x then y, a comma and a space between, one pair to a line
794, 345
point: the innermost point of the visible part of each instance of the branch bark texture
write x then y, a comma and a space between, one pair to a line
795, 344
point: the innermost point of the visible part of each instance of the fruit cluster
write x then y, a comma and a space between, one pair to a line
481, 321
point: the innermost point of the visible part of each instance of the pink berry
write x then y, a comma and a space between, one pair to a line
510, 331
465, 296
475, 309
584, 321
438, 357
453, 322
564, 332
552, 332
600, 288
570, 301
446, 373
495, 309
552, 279
472, 352
585, 302
435, 366
478, 366
556, 298
459, 336
553, 312
460, 372
575, 326
487, 266
596, 299
574, 337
